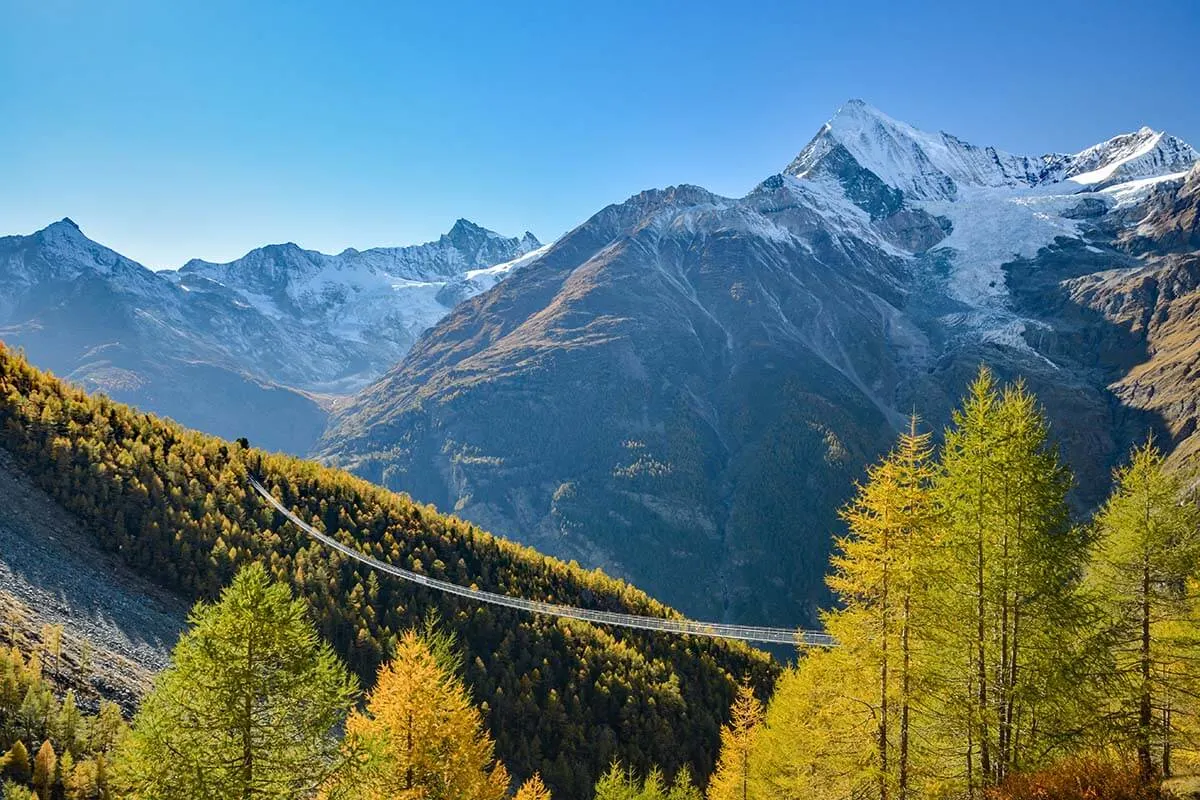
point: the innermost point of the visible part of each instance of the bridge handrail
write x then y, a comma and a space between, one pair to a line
717, 630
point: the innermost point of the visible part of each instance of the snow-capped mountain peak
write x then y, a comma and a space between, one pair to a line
281, 314
1144, 153
464, 230
377, 300
290, 269
63, 234
481, 247
936, 166
993, 207
61, 251
66, 226
925, 166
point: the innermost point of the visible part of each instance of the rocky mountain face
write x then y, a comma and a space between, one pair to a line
360, 310
251, 348
683, 388
1155, 301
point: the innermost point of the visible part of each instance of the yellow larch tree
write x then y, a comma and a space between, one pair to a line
533, 789
421, 736
731, 779
878, 577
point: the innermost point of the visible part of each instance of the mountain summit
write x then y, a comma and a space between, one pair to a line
937, 166
378, 301
683, 388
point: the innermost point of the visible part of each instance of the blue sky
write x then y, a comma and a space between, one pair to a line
171, 129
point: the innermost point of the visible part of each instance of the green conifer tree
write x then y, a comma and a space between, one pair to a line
1144, 569
12, 790
250, 706
1007, 587
683, 788
16, 763
69, 728
818, 737
617, 783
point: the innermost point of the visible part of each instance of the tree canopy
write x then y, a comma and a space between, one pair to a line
251, 705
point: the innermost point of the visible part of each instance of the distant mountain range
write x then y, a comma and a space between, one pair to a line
683, 388
256, 347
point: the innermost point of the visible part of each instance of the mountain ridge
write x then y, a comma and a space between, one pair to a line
720, 370
285, 330
903, 156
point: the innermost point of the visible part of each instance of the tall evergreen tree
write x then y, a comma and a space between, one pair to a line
422, 737
654, 787
880, 576
1144, 570
617, 783
250, 706
83, 782
817, 739
682, 787
52, 640
16, 763
10, 790
69, 728
731, 779
1011, 566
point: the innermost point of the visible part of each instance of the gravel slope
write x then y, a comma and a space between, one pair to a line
52, 573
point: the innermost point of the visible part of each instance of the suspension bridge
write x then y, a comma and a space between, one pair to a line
715, 630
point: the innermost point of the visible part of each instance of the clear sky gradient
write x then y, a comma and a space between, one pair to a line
173, 129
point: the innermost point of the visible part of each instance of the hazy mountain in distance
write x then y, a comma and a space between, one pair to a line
253, 348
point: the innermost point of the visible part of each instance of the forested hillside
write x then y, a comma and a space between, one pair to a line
50, 743
564, 699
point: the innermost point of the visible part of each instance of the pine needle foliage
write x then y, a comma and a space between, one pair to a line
425, 738
880, 573
251, 705
1144, 574
533, 789
731, 779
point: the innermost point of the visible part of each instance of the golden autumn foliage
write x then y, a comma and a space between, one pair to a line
425, 738
533, 789
175, 505
44, 765
880, 576
71, 741
988, 645
817, 739
731, 779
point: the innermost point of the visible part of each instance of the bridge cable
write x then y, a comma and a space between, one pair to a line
716, 630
